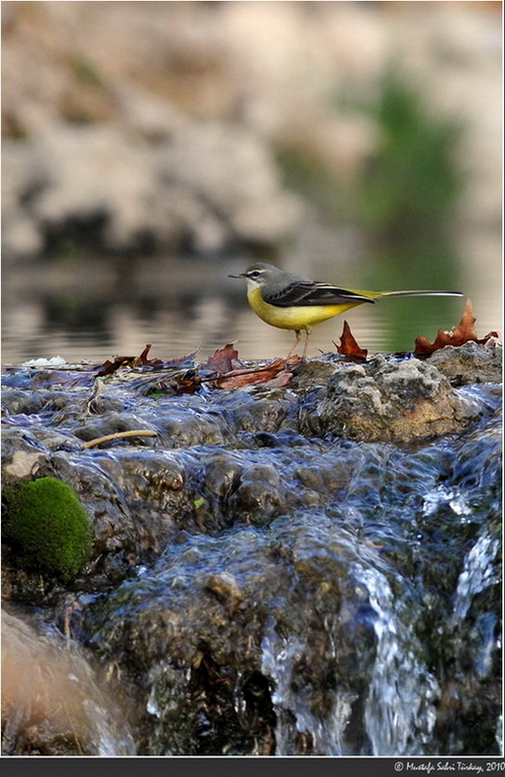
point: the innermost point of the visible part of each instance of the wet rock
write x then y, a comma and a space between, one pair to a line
226, 588
260, 411
151, 485
470, 363
388, 401
23, 465
22, 456
22, 402
190, 424
313, 374
312, 641
259, 494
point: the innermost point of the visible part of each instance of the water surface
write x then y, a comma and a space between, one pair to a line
96, 309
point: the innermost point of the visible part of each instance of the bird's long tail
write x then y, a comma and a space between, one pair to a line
413, 293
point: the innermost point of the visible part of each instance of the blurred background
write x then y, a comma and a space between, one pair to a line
151, 148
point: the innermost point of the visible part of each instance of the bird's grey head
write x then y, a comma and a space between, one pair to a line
257, 274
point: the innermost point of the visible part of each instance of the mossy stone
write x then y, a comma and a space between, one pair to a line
47, 527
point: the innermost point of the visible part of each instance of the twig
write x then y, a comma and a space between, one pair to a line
119, 435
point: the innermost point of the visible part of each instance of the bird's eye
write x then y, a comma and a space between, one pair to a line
255, 274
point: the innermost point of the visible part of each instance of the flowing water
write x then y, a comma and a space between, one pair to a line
371, 614
259, 591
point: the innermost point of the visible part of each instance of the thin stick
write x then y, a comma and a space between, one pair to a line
119, 435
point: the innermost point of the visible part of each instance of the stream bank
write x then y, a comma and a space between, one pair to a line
307, 568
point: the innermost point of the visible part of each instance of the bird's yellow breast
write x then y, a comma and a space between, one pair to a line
297, 318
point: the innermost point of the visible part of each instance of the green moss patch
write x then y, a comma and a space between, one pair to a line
47, 527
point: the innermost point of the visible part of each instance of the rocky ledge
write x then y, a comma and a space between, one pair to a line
260, 550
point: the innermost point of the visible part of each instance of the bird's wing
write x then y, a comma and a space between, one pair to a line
306, 292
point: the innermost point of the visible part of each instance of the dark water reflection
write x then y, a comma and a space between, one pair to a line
99, 308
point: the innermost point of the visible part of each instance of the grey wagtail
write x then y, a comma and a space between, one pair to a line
290, 301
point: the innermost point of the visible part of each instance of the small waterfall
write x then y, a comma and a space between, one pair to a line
392, 713
399, 711
478, 574
292, 706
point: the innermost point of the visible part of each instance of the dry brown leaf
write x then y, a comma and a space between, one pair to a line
348, 345
464, 332
255, 375
144, 361
282, 379
108, 367
180, 360
223, 360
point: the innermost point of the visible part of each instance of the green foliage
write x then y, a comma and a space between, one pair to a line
47, 527
412, 183
406, 191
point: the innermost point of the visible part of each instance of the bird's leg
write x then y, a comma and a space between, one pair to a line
298, 334
307, 335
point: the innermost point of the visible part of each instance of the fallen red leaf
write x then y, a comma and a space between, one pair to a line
464, 332
280, 380
348, 345
274, 373
108, 367
189, 383
189, 357
223, 360
145, 362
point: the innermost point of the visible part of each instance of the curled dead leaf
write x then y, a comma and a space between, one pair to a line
348, 345
108, 367
223, 360
144, 361
273, 373
464, 332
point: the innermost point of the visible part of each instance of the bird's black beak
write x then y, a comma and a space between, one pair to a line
237, 275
